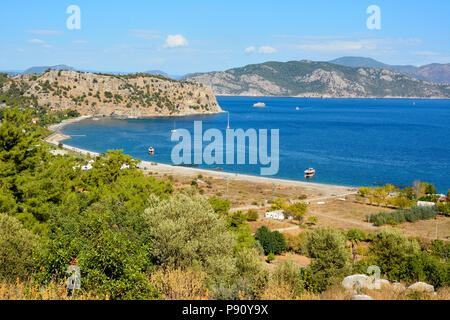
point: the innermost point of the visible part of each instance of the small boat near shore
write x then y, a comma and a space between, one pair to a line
151, 151
310, 173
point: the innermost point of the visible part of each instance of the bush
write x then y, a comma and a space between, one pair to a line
444, 208
220, 206
17, 246
271, 241
270, 257
293, 243
440, 249
426, 268
237, 218
390, 251
185, 232
110, 244
297, 211
251, 269
290, 273
356, 235
405, 215
330, 257
252, 215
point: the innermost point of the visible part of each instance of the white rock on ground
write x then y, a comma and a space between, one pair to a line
351, 281
364, 282
420, 286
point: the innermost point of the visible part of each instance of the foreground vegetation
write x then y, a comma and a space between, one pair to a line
135, 237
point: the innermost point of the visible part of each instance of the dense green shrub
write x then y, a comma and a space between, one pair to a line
220, 206
440, 249
356, 235
404, 215
271, 241
330, 257
185, 231
17, 248
110, 243
390, 251
252, 215
424, 267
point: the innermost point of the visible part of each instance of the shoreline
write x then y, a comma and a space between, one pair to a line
162, 168
333, 97
328, 189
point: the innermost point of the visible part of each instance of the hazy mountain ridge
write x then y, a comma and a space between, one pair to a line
42, 69
434, 72
317, 79
138, 95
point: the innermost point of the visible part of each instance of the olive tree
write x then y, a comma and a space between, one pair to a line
185, 231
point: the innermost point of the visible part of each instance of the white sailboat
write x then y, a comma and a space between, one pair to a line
174, 127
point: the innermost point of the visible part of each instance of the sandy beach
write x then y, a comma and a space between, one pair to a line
164, 169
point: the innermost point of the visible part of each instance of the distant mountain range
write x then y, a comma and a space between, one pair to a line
433, 72
42, 69
318, 79
162, 73
342, 77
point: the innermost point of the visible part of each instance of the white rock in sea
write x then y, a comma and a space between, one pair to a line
259, 105
362, 297
420, 286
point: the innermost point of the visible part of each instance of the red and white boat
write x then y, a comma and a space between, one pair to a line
151, 150
310, 173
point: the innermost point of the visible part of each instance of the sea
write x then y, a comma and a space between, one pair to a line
352, 142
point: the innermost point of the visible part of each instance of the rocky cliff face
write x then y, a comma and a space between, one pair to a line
318, 79
138, 95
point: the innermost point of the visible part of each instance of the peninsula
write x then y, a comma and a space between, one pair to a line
132, 95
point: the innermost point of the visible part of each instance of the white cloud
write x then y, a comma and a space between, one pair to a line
250, 49
80, 41
145, 34
36, 41
47, 46
266, 50
45, 32
174, 41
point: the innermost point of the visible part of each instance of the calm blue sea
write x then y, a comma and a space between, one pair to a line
351, 142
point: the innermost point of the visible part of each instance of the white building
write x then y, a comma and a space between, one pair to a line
277, 215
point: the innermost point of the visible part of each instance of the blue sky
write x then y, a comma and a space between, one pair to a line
192, 36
